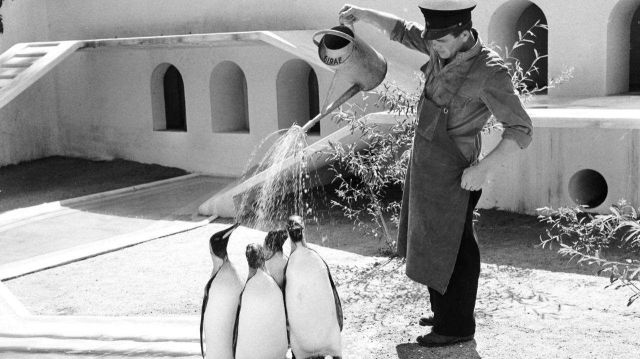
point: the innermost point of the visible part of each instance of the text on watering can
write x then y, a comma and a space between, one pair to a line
332, 61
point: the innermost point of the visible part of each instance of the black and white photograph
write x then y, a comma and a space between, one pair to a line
340, 179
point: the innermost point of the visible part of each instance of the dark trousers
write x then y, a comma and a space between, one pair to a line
453, 311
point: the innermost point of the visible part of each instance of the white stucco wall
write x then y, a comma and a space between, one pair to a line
24, 21
125, 18
106, 109
98, 102
28, 124
95, 19
540, 175
570, 44
592, 36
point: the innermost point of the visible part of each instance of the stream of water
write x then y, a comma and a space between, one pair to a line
286, 186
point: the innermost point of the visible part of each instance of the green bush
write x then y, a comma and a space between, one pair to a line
610, 242
365, 180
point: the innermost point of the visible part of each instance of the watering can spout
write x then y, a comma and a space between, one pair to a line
352, 91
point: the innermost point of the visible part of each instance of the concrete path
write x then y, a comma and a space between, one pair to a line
71, 230
67, 231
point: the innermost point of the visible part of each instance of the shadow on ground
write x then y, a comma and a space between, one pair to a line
513, 240
505, 239
460, 351
58, 178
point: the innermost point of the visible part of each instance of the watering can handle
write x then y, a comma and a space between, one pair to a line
332, 32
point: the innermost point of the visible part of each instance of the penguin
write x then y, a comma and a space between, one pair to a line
276, 260
261, 323
220, 301
313, 306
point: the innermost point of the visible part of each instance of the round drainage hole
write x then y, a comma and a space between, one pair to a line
588, 188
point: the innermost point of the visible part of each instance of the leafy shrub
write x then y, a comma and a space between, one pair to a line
366, 179
591, 238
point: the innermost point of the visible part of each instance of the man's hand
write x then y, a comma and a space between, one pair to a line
383, 21
478, 176
350, 14
475, 177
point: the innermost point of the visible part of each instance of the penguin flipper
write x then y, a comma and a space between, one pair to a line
284, 298
284, 275
336, 298
235, 326
205, 300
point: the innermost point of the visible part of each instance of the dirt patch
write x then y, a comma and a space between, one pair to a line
58, 178
531, 304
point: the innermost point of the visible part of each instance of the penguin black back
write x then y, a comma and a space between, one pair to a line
255, 255
295, 228
275, 240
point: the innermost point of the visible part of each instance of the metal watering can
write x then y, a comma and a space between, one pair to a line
353, 59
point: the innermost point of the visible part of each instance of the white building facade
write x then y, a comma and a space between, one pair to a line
111, 102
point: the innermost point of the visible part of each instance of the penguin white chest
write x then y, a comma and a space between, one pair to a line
220, 314
311, 306
262, 326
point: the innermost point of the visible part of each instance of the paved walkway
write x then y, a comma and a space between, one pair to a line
72, 230
61, 232
67, 231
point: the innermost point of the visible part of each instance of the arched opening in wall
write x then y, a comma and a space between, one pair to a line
229, 101
520, 15
622, 62
297, 95
174, 103
314, 100
533, 56
634, 53
167, 99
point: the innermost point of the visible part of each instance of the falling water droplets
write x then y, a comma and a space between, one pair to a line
285, 186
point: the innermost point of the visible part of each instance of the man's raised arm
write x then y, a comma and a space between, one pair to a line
407, 33
385, 22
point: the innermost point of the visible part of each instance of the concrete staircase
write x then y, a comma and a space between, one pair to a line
25, 63
101, 336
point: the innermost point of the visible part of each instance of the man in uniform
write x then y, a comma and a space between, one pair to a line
466, 82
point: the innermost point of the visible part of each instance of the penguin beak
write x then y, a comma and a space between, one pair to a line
220, 239
228, 231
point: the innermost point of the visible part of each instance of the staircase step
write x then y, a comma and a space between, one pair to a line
149, 329
6, 73
43, 44
31, 54
32, 61
83, 346
10, 73
5, 82
19, 62
27, 355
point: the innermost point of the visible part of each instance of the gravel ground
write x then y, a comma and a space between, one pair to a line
531, 304
521, 311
